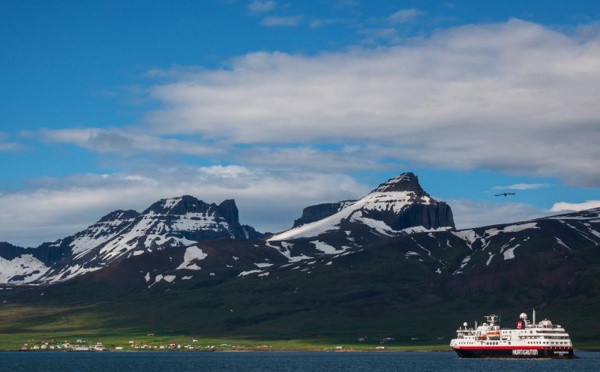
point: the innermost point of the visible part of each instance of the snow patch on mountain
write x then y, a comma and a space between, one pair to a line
511, 229
169, 278
161, 226
103, 231
170, 203
263, 264
469, 236
161, 277
73, 271
192, 254
21, 270
490, 258
83, 244
249, 272
394, 201
285, 250
463, 264
197, 221
422, 229
379, 226
559, 241
326, 248
509, 254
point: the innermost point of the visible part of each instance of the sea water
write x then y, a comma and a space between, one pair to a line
280, 361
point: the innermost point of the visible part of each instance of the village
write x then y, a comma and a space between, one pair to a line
83, 345
78, 345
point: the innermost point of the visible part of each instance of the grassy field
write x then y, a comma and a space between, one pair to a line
180, 319
128, 340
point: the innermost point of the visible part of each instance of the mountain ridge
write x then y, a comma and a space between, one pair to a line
185, 220
179, 221
356, 275
396, 207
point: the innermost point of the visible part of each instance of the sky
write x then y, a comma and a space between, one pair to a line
282, 104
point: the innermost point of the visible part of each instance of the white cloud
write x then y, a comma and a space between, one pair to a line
258, 6
512, 97
522, 186
575, 207
7, 146
268, 201
405, 15
127, 141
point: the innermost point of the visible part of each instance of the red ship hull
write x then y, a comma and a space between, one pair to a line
514, 352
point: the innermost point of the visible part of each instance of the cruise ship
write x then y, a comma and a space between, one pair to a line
526, 340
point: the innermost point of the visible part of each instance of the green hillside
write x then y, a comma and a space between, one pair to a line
372, 294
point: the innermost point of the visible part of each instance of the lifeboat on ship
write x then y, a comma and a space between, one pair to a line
493, 334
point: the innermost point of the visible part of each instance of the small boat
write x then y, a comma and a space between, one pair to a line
526, 340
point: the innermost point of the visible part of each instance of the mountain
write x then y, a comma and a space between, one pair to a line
398, 206
121, 234
393, 207
390, 263
413, 285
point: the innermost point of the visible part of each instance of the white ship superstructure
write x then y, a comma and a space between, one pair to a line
526, 340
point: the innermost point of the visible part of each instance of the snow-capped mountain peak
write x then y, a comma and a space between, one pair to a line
173, 222
394, 206
407, 182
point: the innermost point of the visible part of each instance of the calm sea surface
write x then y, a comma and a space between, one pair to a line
280, 361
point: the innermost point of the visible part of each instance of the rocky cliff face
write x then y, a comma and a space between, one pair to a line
397, 204
320, 211
420, 210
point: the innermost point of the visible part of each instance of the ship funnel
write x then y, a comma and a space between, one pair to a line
523, 316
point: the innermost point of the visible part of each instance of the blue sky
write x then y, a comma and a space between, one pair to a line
284, 104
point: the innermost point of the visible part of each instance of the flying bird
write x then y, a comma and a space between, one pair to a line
506, 194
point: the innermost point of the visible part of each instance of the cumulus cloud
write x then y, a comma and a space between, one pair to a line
405, 15
127, 142
512, 97
575, 207
268, 201
8, 146
522, 186
258, 6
